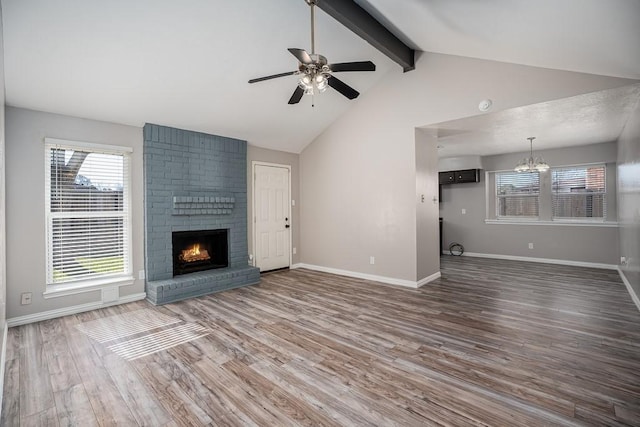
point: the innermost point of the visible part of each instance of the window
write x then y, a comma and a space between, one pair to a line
517, 194
87, 212
579, 192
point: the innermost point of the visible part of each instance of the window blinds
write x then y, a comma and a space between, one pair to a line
579, 192
88, 214
517, 194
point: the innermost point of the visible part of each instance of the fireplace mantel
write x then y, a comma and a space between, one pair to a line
203, 203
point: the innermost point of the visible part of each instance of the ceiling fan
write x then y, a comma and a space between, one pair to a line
316, 73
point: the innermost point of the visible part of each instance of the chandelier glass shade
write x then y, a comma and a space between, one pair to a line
531, 164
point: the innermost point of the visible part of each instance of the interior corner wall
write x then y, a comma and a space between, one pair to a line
358, 178
3, 264
257, 154
427, 206
561, 242
25, 171
629, 199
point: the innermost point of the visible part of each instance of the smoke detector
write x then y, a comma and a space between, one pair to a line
485, 105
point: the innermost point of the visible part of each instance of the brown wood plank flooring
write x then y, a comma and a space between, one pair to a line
492, 342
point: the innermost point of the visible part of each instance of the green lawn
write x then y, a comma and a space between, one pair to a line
96, 265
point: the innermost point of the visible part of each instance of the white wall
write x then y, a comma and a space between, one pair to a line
358, 178
556, 242
25, 171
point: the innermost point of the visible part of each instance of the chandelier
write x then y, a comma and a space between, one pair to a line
532, 164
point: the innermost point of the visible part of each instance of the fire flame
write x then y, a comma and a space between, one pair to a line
194, 253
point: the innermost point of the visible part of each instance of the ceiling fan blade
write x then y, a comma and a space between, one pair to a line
274, 76
343, 88
301, 54
353, 66
297, 95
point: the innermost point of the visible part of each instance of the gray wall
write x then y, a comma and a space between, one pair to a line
283, 158
3, 264
25, 170
593, 244
427, 226
358, 178
629, 198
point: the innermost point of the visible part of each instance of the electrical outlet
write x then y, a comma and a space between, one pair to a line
141, 275
293, 202
295, 251
623, 260
530, 245
25, 298
464, 211
372, 260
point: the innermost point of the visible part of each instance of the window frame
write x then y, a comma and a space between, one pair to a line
54, 289
604, 193
546, 195
497, 198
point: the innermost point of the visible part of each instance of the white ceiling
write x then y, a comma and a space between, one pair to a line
186, 64
579, 120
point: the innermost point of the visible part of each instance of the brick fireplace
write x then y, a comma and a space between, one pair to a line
194, 182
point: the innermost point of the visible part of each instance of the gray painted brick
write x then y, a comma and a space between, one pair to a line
181, 166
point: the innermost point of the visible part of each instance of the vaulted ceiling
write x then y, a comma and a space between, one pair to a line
186, 64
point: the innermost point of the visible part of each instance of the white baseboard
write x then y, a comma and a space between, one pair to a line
3, 361
52, 314
428, 279
633, 294
542, 260
372, 277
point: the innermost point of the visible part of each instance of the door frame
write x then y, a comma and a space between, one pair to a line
255, 163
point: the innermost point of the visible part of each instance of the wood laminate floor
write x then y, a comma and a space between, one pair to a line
492, 342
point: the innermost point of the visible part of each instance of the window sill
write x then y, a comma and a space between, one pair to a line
554, 223
64, 289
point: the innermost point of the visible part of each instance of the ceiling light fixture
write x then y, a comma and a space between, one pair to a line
314, 80
530, 164
315, 75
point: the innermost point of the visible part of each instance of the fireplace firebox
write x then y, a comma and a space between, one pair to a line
199, 250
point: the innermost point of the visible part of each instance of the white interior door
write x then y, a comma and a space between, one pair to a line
272, 217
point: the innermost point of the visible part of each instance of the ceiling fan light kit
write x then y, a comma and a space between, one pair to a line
531, 164
316, 74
